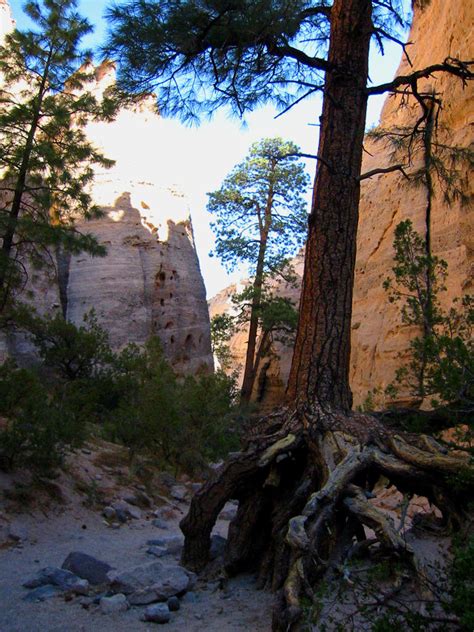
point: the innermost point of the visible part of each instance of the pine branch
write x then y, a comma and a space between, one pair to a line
374, 172
452, 66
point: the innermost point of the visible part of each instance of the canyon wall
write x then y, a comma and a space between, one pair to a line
379, 339
149, 283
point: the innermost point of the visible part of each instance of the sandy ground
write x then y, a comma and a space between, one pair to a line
50, 537
47, 537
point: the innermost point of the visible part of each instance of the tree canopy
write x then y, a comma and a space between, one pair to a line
262, 196
198, 56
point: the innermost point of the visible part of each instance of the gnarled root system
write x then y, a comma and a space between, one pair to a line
304, 485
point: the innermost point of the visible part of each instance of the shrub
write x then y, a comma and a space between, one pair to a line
441, 363
36, 429
462, 583
183, 423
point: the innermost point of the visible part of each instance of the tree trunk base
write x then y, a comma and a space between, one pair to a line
304, 484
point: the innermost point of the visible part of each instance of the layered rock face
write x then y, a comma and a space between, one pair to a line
150, 281
379, 339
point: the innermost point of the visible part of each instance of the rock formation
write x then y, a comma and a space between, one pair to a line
439, 30
150, 281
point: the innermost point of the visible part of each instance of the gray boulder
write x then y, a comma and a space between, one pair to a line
172, 543
179, 492
139, 499
87, 567
42, 593
63, 579
151, 582
124, 508
158, 613
116, 603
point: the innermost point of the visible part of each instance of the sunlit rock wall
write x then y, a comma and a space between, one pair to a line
150, 281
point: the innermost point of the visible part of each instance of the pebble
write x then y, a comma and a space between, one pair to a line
158, 613
109, 513
173, 604
116, 603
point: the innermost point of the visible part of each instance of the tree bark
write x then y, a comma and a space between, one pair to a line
320, 366
250, 369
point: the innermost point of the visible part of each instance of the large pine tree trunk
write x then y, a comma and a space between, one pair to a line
320, 367
304, 476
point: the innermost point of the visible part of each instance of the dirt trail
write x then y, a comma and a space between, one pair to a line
48, 539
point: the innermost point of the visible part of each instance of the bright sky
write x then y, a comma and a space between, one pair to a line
198, 159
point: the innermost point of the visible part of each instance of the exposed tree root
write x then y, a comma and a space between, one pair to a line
304, 484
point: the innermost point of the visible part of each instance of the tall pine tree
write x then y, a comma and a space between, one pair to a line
261, 220
303, 479
46, 161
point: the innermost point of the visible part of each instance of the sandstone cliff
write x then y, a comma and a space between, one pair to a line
440, 29
150, 281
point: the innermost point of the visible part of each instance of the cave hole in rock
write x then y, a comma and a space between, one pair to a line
189, 342
172, 339
160, 279
169, 324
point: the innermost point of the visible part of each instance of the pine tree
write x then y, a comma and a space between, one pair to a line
46, 161
261, 221
303, 477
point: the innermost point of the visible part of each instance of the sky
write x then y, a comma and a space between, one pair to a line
199, 158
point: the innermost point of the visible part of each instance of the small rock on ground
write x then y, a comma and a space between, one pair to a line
116, 603
158, 613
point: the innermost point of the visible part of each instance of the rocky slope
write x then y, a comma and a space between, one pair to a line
439, 30
150, 281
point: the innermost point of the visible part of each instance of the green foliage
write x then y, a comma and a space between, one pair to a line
147, 412
70, 352
207, 411
462, 583
36, 428
132, 396
446, 162
418, 278
46, 161
198, 56
441, 359
276, 314
181, 423
261, 204
261, 221
222, 329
